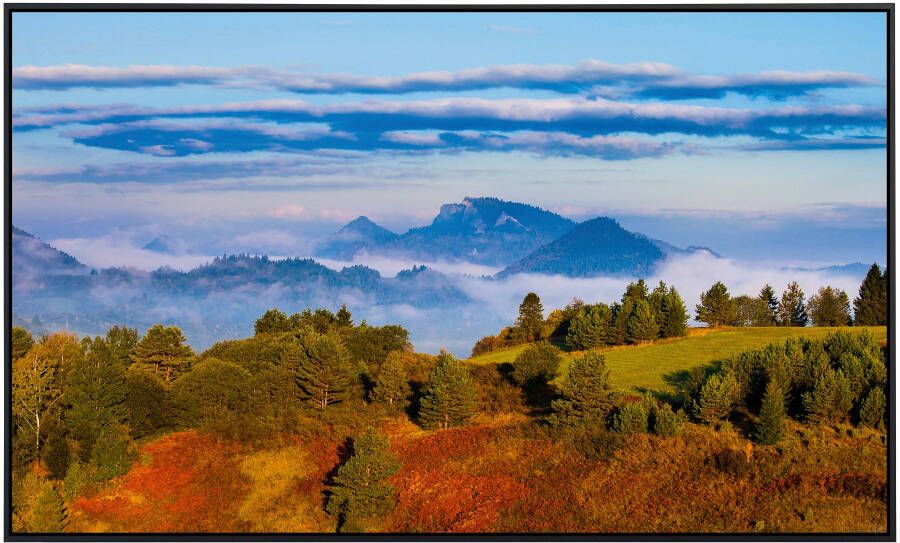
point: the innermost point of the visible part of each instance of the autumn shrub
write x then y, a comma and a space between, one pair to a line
496, 392
733, 462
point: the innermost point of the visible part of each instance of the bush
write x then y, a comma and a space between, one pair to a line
733, 462
536, 365
716, 398
112, 454
666, 423
630, 419
770, 428
871, 411
830, 400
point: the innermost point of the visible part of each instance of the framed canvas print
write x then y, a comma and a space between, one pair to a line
458, 272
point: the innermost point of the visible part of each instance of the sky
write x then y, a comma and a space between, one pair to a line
761, 136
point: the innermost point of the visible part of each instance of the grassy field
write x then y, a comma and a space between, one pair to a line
646, 366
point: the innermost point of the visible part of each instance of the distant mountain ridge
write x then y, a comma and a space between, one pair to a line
482, 230
31, 255
596, 247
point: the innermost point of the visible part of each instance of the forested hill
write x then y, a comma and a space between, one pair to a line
595, 247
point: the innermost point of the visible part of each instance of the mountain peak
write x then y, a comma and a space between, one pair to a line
359, 234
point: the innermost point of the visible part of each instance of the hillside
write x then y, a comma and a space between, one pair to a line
355, 236
654, 366
595, 247
33, 256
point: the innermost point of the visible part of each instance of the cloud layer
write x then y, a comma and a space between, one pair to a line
638, 80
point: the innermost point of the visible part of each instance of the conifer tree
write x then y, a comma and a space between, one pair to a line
871, 410
56, 453
829, 307
830, 399
676, 315
21, 342
343, 317
122, 341
618, 332
95, 394
636, 291
792, 309
450, 398
162, 347
587, 395
768, 297
48, 515
871, 305
770, 428
642, 325
326, 374
716, 307
272, 321
589, 328
360, 493
659, 304
391, 384
717, 396
531, 317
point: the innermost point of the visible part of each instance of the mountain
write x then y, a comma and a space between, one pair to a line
854, 269
485, 231
593, 248
669, 250
32, 256
355, 236
165, 245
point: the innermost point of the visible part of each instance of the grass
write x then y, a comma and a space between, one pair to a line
646, 366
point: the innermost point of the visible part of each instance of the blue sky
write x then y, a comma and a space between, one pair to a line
749, 133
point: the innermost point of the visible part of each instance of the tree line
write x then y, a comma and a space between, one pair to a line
829, 306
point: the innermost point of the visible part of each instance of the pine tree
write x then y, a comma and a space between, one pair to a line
659, 304
768, 297
717, 396
326, 374
343, 317
112, 454
391, 385
770, 428
122, 341
716, 307
792, 309
829, 307
871, 305
360, 493
589, 328
48, 515
871, 410
618, 332
531, 317
636, 291
587, 395
272, 321
642, 325
162, 347
95, 394
57, 454
676, 314
830, 399
449, 398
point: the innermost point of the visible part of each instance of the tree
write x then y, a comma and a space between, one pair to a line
676, 316
871, 305
326, 375
830, 399
162, 347
642, 325
360, 493
749, 311
531, 317
770, 316
21, 342
666, 423
658, 303
122, 341
587, 395
829, 307
36, 383
95, 394
589, 328
344, 318
536, 365
618, 332
792, 309
112, 454
871, 410
48, 515
636, 291
212, 390
391, 384
770, 428
631, 418
272, 321
717, 396
450, 397
56, 453
145, 401
716, 307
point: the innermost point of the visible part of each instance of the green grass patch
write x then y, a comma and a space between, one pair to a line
646, 366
